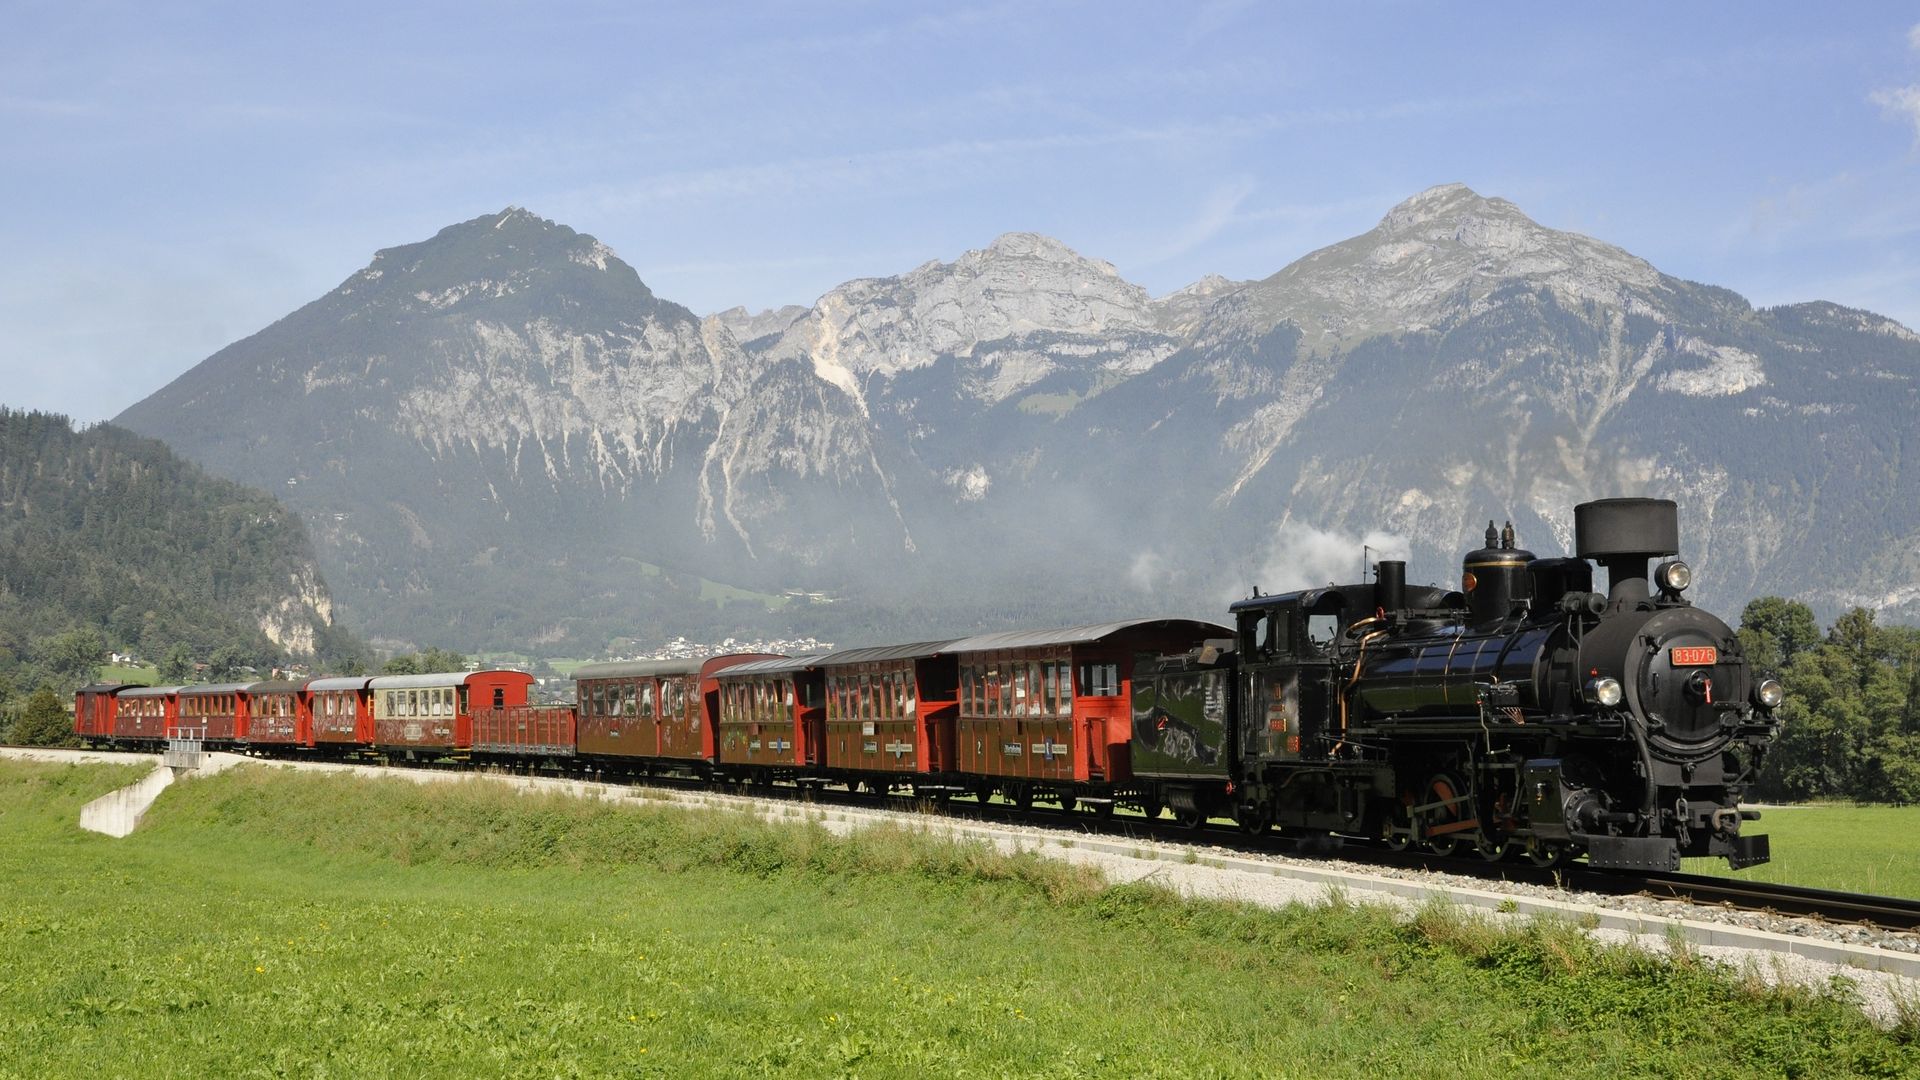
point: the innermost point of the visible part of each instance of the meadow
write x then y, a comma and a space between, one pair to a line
269, 923
1870, 849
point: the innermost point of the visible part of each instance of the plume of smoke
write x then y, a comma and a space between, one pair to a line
1301, 556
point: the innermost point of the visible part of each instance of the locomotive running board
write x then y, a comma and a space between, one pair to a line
1632, 852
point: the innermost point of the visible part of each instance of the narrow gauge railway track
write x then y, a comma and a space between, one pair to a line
1882, 912
1826, 905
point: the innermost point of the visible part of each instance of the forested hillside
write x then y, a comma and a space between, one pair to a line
109, 541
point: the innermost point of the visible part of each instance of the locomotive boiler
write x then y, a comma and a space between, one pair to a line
1523, 712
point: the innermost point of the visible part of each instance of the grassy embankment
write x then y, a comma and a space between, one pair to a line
1871, 849
269, 923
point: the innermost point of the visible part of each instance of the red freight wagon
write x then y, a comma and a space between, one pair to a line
341, 712
772, 715
1054, 705
891, 709
651, 708
435, 712
277, 714
94, 706
524, 729
146, 712
217, 711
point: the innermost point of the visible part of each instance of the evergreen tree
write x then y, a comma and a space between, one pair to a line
44, 722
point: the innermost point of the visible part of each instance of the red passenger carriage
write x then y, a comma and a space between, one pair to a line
216, 712
1048, 712
433, 714
341, 712
277, 714
94, 706
891, 709
656, 711
772, 717
146, 713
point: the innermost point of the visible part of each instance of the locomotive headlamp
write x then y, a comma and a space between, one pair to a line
1770, 693
1604, 692
1673, 577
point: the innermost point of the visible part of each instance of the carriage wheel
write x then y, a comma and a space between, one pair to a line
1023, 798
1254, 820
1067, 804
1151, 807
1103, 810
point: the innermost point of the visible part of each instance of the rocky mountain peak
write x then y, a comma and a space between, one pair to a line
1183, 310
1433, 259
514, 253
1020, 285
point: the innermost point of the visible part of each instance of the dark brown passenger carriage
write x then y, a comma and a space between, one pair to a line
1050, 709
891, 709
772, 716
651, 709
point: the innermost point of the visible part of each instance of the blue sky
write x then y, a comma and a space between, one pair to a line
178, 176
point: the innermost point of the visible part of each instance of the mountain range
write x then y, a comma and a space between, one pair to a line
501, 437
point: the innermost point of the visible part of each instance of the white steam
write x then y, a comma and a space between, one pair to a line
1303, 557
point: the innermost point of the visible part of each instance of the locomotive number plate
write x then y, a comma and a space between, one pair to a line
1693, 655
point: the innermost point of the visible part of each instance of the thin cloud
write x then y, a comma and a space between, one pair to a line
1218, 211
1900, 102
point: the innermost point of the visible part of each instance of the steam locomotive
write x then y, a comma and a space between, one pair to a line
1523, 712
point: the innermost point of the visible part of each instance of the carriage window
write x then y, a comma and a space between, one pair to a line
499, 697
788, 689
646, 698
1100, 680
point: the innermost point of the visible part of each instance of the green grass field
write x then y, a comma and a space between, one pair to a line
144, 675
1872, 849
269, 923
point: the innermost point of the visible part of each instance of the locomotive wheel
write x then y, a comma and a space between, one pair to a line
1546, 854
1399, 841
1490, 850
1444, 788
1190, 819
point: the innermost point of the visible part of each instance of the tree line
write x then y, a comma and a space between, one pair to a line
1850, 727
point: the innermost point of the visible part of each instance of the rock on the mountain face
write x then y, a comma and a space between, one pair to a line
503, 430
750, 329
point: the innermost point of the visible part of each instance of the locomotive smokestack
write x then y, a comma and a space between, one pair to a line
1621, 535
1390, 584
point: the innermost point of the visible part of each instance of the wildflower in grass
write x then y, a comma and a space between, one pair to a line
260, 969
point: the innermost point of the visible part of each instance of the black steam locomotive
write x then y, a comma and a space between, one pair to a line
1524, 712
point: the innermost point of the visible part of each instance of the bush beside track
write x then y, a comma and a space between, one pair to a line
265, 921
